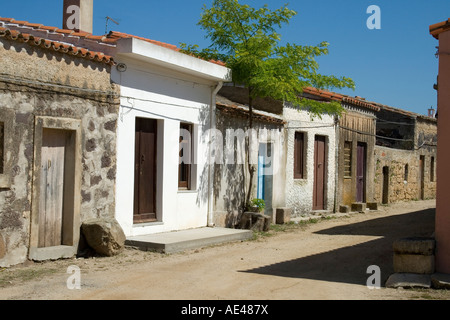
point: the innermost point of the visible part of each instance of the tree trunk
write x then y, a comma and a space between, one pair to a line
251, 168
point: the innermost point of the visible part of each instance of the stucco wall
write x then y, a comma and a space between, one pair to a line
232, 174
170, 97
299, 192
21, 102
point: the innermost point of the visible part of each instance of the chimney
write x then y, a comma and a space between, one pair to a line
431, 112
78, 15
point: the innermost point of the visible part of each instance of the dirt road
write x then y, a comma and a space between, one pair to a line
327, 260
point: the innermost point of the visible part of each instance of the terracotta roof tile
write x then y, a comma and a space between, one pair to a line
55, 46
358, 101
231, 108
110, 38
437, 28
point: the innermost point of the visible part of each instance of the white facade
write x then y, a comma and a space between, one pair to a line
299, 192
173, 88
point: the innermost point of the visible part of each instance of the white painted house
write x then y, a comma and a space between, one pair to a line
165, 116
310, 162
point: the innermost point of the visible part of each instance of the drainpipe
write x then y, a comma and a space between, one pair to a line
212, 119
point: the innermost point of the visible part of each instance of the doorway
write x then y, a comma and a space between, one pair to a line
385, 196
422, 178
361, 173
56, 187
56, 195
265, 174
145, 171
320, 165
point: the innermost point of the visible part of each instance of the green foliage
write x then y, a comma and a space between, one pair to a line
247, 40
260, 204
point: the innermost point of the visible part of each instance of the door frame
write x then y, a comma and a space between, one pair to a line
361, 160
422, 161
264, 183
155, 177
72, 192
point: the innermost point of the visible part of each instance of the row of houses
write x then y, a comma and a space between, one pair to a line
130, 128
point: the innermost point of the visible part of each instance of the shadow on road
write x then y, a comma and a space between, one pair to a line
349, 264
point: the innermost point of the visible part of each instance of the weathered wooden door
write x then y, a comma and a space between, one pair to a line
145, 171
385, 185
51, 188
320, 165
422, 178
361, 173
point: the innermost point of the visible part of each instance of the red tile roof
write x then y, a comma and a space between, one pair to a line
328, 95
438, 28
55, 46
110, 38
231, 108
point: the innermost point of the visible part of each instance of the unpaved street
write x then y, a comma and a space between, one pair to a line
327, 260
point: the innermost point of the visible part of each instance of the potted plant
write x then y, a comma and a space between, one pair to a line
256, 205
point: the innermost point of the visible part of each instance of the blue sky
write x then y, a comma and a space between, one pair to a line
395, 65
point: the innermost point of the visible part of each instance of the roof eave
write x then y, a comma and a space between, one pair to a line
168, 58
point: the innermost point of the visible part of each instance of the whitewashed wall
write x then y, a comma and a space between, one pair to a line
299, 192
152, 92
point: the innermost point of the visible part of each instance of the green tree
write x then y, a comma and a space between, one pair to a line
247, 40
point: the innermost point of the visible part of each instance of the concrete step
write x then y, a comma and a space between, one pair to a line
172, 242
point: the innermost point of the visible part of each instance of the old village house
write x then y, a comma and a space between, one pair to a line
164, 126
58, 118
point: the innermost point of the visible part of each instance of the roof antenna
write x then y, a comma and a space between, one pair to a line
107, 19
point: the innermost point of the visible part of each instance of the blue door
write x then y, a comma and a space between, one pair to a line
261, 163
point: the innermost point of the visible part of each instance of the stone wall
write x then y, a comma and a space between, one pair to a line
403, 174
38, 82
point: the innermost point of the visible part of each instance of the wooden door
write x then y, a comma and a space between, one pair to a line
51, 188
422, 178
361, 173
260, 194
385, 185
320, 165
145, 171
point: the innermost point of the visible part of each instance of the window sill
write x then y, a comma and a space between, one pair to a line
147, 224
187, 191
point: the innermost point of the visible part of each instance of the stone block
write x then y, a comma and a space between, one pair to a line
359, 207
409, 280
414, 263
420, 246
440, 281
283, 215
344, 209
255, 221
373, 206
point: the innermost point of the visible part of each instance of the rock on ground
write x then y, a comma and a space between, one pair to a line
104, 235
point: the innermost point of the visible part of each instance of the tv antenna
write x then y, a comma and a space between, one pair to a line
107, 20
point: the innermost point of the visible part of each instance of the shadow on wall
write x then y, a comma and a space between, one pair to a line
349, 264
229, 179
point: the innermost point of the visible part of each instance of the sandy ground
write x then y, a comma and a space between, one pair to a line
327, 260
